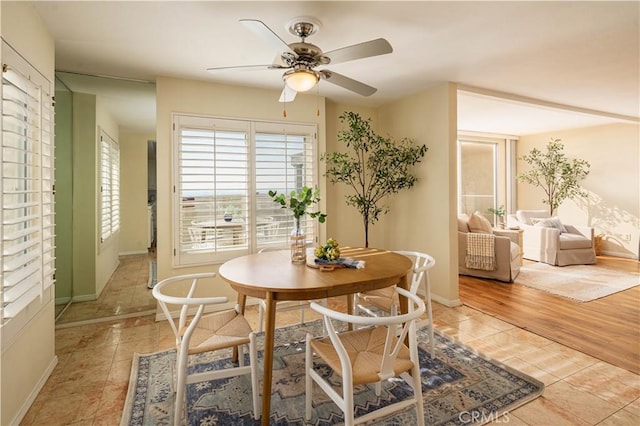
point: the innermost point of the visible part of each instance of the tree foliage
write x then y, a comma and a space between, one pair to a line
556, 174
374, 168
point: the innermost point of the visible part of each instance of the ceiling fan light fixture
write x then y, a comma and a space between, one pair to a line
301, 80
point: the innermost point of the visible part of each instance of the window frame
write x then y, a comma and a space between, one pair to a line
109, 175
27, 226
252, 209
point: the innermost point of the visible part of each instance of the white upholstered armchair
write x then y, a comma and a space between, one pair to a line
546, 239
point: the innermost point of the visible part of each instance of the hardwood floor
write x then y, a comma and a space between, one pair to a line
606, 328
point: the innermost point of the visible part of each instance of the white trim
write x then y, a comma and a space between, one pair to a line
471, 134
446, 302
541, 103
129, 253
620, 254
84, 298
106, 319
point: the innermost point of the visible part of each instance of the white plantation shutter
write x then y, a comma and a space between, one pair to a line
228, 166
285, 156
27, 224
109, 187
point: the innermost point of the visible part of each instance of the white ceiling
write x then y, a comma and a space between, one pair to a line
580, 61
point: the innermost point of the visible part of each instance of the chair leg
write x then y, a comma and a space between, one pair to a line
347, 401
308, 365
181, 384
302, 307
260, 316
432, 342
323, 302
241, 350
253, 359
417, 392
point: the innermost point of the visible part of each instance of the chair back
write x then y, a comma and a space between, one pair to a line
393, 341
162, 295
422, 262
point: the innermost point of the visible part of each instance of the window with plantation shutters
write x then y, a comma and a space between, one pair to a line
109, 187
27, 192
224, 169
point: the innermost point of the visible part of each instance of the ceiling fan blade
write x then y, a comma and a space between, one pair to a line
375, 47
287, 95
261, 29
247, 67
347, 83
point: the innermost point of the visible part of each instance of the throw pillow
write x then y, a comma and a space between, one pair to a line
479, 224
550, 222
527, 216
463, 223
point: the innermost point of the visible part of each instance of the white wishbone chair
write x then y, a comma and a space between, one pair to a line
204, 333
385, 299
367, 355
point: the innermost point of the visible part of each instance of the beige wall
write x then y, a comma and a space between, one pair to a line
198, 97
27, 361
424, 217
613, 183
133, 192
344, 223
429, 117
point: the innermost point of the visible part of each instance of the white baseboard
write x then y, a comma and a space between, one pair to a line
129, 253
104, 319
62, 300
618, 254
84, 298
34, 392
446, 302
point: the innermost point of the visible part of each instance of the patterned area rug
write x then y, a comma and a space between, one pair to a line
460, 387
577, 282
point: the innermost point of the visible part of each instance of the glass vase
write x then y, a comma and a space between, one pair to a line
298, 244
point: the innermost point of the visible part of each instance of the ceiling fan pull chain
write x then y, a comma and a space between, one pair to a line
317, 100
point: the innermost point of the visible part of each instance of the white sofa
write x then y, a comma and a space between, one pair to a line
547, 240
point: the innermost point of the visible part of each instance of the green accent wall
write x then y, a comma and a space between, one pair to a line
84, 196
64, 195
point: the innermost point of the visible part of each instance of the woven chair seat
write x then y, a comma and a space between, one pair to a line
382, 298
219, 330
365, 348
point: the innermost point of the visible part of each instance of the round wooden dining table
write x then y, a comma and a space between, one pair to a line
273, 277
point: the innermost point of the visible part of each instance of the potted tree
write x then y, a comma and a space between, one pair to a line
298, 202
556, 174
376, 167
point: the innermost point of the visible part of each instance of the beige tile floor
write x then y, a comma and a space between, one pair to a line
126, 293
89, 384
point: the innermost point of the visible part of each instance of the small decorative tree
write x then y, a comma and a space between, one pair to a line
500, 212
299, 203
556, 174
378, 167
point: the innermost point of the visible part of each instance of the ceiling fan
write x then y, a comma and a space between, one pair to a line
301, 59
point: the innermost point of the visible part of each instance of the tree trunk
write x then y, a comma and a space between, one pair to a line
366, 231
